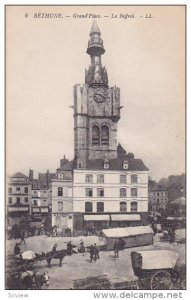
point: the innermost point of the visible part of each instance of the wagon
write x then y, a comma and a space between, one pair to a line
156, 269
28, 259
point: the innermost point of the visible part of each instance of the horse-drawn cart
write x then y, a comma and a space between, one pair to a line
29, 259
156, 269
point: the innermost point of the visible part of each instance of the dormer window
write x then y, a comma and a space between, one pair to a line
79, 165
106, 164
60, 176
125, 165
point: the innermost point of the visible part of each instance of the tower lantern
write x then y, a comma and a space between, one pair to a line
96, 75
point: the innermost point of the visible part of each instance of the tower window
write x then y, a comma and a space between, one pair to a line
95, 135
100, 207
88, 206
9, 190
10, 200
26, 190
123, 206
105, 135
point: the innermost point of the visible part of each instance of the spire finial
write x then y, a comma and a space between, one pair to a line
94, 28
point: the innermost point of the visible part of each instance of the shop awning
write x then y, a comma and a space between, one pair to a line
96, 218
127, 231
132, 217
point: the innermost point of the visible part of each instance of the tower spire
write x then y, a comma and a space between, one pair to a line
94, 28
96, 75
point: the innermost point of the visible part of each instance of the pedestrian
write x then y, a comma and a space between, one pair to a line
116, 249
69, 248
17, 249
22, 238
81, 248
101, 236
91, 253
96, 252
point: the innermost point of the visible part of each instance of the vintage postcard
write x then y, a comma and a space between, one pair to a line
95, 147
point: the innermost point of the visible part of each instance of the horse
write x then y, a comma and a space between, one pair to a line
60, 254
28, 280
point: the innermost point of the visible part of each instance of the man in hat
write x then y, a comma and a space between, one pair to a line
17, 249
54, 248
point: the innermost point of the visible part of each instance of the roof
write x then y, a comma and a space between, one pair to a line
117, 164
19, 175
45, 178
158, 259
94, 28
180, 201
127, 231
68, 166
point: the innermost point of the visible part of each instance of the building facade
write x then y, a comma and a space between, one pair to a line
19, 196
158, 200
110, 187
62, 196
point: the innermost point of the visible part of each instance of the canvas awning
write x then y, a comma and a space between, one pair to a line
127, 231
158, 259
96, 218
133, 217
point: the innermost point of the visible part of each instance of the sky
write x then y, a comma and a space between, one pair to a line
46, 57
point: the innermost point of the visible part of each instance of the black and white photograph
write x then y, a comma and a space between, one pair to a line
95, 191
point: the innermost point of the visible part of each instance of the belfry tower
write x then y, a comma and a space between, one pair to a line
96, 109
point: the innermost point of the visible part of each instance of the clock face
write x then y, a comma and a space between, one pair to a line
100, 94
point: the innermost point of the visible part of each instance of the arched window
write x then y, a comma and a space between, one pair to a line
88, 206
100, 207
134, 206
105, 135
95, 135
123, 206
123, 192
134, 178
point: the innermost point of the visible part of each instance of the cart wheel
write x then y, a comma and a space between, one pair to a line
161, 280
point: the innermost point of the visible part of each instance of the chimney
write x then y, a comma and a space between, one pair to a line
31, 174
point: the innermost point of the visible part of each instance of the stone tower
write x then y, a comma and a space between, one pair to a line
96, 108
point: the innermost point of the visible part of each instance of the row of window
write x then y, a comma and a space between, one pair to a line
18, 189
18, 200
100, 206
100, 192
158, 200
159, 193
100, 178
